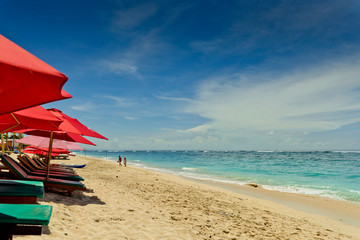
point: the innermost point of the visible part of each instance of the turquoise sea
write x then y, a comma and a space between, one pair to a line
323, 173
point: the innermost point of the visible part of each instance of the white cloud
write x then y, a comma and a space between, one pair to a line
118, 101
199, 129
85, 107
122, 67
173, 98
320, 99
129, 118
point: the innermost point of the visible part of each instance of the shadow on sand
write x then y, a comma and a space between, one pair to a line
46, 230
77, 198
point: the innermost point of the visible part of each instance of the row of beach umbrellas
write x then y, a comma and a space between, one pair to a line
36, 83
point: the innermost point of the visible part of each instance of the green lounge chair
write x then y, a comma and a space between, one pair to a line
59, 184
23, 219
17, 191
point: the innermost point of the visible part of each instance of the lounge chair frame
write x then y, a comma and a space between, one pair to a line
49, 183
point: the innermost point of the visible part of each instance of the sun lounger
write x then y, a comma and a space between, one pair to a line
42, 173
37, 160
23, 219
71, 165
25, 161
17, 191
62, 156
59, 184
35, 164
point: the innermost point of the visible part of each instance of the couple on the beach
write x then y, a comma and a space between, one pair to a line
121, 160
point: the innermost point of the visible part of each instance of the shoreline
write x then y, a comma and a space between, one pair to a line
349, 213
342, 211
311, 190
135, 203
338, 210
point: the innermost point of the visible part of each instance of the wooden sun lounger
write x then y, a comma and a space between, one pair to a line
36, 165
62, 156
59, 184
18, 191
23, 219
42, 173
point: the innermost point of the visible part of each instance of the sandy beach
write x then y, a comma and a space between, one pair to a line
133, 203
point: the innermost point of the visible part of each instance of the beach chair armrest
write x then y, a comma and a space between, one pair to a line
14, 229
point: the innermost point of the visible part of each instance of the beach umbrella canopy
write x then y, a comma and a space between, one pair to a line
32, 150
70, 125
56, 150
37, 150
35, 117
60, 135
43, 142
34, 81
73, 125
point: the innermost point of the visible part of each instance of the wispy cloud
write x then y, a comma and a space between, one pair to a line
319, 99
133, 17
174, 98
146, 45
129, 118
199, 129
300, 16
118, 101
84, 107
285, 27
121, 67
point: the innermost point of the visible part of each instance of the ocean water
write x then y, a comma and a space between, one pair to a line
330, 174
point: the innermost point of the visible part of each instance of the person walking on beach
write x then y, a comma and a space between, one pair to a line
119, 160
124, 161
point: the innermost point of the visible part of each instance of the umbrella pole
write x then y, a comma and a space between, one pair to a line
20, 144
13, 142
7, 142
49, 155
2, 143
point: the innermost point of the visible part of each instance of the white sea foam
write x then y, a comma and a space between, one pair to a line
304, 190
355, 191
347, 151
289, 189
189, 169
209, 178
136, 165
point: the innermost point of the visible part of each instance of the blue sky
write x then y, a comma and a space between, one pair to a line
218, 75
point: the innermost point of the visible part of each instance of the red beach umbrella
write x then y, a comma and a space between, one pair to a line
35, 117
55, 151
35, 81
32, 150
73, 125
43, 142
50, 143
66, 136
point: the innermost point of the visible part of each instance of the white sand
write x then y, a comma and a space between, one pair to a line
133, 203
